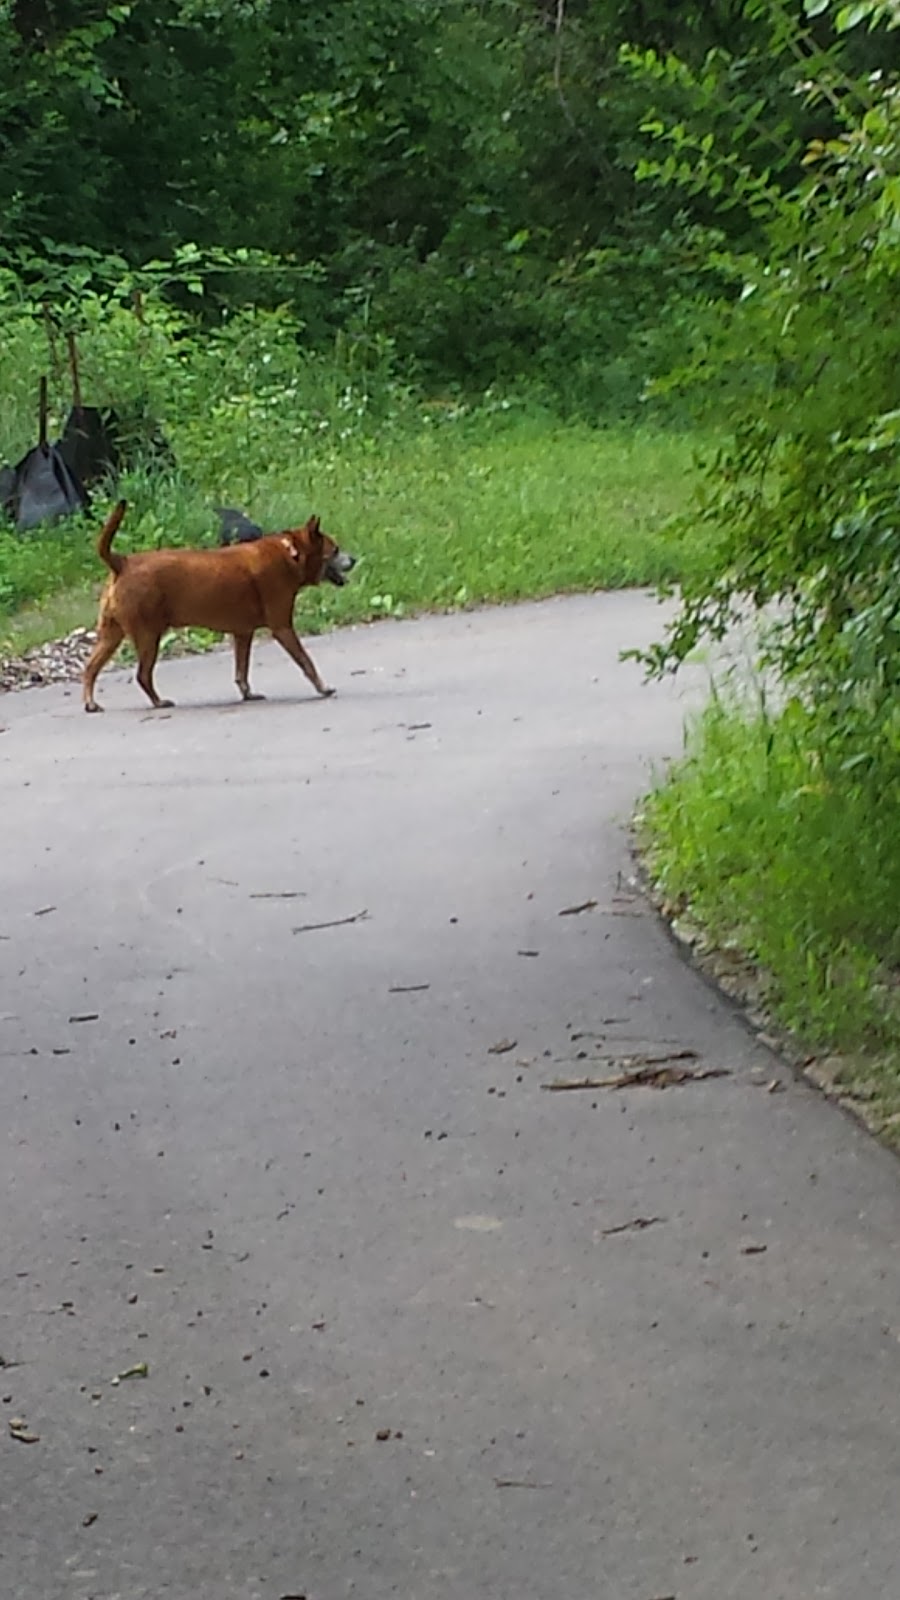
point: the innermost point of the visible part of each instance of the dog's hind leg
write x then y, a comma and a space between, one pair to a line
288, 640
242, 647
109, 638
147, 646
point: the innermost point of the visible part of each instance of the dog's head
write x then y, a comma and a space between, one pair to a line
320, 555
337, 564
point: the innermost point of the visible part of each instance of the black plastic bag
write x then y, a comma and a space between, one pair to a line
88, 445
235, 527
42, 487
45, 488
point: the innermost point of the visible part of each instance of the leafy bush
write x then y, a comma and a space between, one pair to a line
803, 498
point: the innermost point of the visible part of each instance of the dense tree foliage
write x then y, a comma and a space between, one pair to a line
806, 491
455, 176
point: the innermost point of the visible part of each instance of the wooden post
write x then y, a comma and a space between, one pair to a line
42, 414
73, 368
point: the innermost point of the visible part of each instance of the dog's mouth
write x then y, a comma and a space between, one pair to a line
337, 567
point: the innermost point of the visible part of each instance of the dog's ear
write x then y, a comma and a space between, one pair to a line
314, 529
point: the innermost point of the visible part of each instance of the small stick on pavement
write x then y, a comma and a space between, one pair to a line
635, 1069
575, 911
670, 1055
648, 1076
639, 1059
338, 922
519, 1483
637, 1224
408, 988
280, 894
589, 1033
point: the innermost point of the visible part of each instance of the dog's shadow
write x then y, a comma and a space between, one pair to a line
232, 708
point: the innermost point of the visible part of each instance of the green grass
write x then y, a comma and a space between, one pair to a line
778, 853
442, 513
53, 618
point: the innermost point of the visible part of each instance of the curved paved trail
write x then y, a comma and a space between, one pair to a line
407, 1330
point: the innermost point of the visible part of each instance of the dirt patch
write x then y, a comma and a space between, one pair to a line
59, 661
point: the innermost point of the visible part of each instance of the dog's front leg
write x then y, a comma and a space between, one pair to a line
242, 646
288, 640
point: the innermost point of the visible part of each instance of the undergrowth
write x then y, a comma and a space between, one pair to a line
778, 849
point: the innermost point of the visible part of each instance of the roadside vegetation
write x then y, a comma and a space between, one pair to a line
448, 501
521, 296
778, 835
782, 868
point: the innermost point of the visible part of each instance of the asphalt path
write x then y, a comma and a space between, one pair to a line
400, 1320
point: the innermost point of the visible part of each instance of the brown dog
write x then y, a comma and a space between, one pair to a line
236, 591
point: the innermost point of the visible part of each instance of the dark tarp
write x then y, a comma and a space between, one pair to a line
7, 487
88, 444
41, 487
97, 441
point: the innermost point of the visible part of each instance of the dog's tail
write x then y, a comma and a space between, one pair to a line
107, 534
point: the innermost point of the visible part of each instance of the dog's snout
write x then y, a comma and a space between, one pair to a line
337, 566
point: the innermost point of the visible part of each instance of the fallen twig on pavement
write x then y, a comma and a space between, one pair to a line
647, 1072
519, 1483
636, 1225
338, 922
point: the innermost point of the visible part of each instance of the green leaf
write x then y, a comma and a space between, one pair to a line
851, 16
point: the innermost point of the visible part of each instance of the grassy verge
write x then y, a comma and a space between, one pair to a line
776, 855
52, 618
442, 514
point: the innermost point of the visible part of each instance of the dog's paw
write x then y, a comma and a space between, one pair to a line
252, 696
91, 705
325, 692
164, 705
